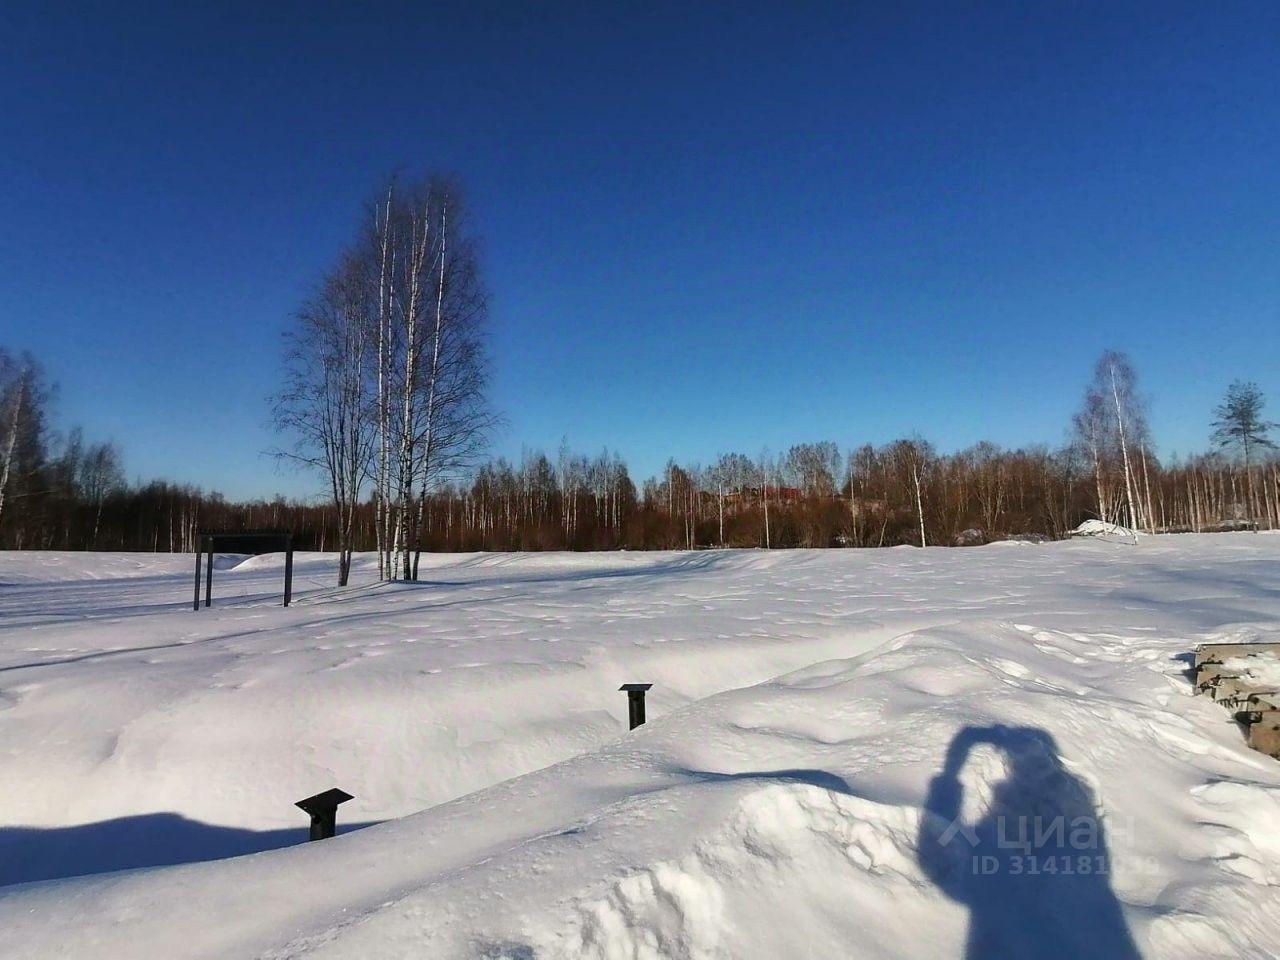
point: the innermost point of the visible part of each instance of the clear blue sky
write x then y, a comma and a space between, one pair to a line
707, 226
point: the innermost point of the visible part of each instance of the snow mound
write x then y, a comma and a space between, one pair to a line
968, 790
47, 567
825, 848
1099, 528
1263, 669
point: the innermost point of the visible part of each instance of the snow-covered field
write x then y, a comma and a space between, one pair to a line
988, 752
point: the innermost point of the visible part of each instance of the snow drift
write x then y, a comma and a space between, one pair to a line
1104, 530
860, 803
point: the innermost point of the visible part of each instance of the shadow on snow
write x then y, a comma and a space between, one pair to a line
1034, 868
126, 843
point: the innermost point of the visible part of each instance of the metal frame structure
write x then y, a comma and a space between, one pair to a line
253, 542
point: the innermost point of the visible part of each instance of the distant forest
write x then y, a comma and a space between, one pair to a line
61, 493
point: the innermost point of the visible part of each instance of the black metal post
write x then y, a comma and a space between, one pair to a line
208, 578
323, 808
199, 554
288, 573
635, 702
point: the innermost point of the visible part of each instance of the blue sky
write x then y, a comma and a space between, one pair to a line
707, 227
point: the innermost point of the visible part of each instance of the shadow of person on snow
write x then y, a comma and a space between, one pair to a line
1034, 869
148, 840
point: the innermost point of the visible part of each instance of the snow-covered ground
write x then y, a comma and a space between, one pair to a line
844, 750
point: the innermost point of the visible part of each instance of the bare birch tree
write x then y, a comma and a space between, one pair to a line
1115, 379
324, 402
431, 412
99, 477
765, 476
913, 458
1095, 437
23, 398
16, 396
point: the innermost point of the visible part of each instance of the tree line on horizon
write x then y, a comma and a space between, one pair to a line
62, 493
904, 492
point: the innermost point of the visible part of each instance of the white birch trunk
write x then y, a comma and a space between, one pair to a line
915, 476
14, 419
1134, 520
